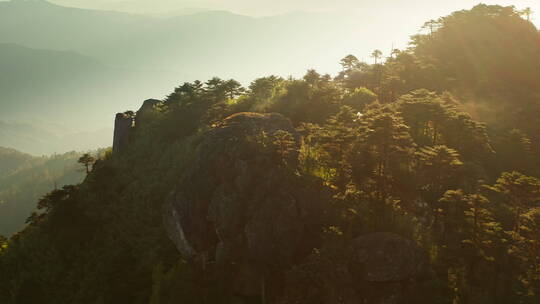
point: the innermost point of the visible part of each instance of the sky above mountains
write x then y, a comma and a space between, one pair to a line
422, 8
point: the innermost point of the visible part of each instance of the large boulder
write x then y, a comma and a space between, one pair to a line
146, 111
241, 205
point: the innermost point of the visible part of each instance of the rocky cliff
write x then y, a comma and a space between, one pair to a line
257, 218
123, 124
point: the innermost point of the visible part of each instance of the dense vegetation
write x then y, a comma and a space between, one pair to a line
438, 144
25, 178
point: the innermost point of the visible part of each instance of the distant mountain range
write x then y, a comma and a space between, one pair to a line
11, 160
74, 67
66, 87
200, 45
45, 139
161, 8
57, 101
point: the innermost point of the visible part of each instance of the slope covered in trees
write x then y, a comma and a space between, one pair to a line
381, 185
488, 57
24, 179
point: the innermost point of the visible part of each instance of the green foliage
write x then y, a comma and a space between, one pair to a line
507, 52
515, 152
359, 98
313, 99
520, 192
440, 166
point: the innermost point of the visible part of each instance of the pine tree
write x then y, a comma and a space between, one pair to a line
87, 161
520, 192
382, 156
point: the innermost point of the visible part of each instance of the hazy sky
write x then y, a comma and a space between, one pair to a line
422, 8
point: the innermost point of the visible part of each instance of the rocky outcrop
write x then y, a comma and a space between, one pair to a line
250, 215
242, 206
145, 113
123, 125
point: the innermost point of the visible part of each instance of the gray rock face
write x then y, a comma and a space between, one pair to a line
241, 207
149, 104
146, 111
172, 219
123, 125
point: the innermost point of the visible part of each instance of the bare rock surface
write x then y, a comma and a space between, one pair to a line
123, 125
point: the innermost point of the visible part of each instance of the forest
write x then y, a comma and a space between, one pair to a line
412, 178
25, 178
